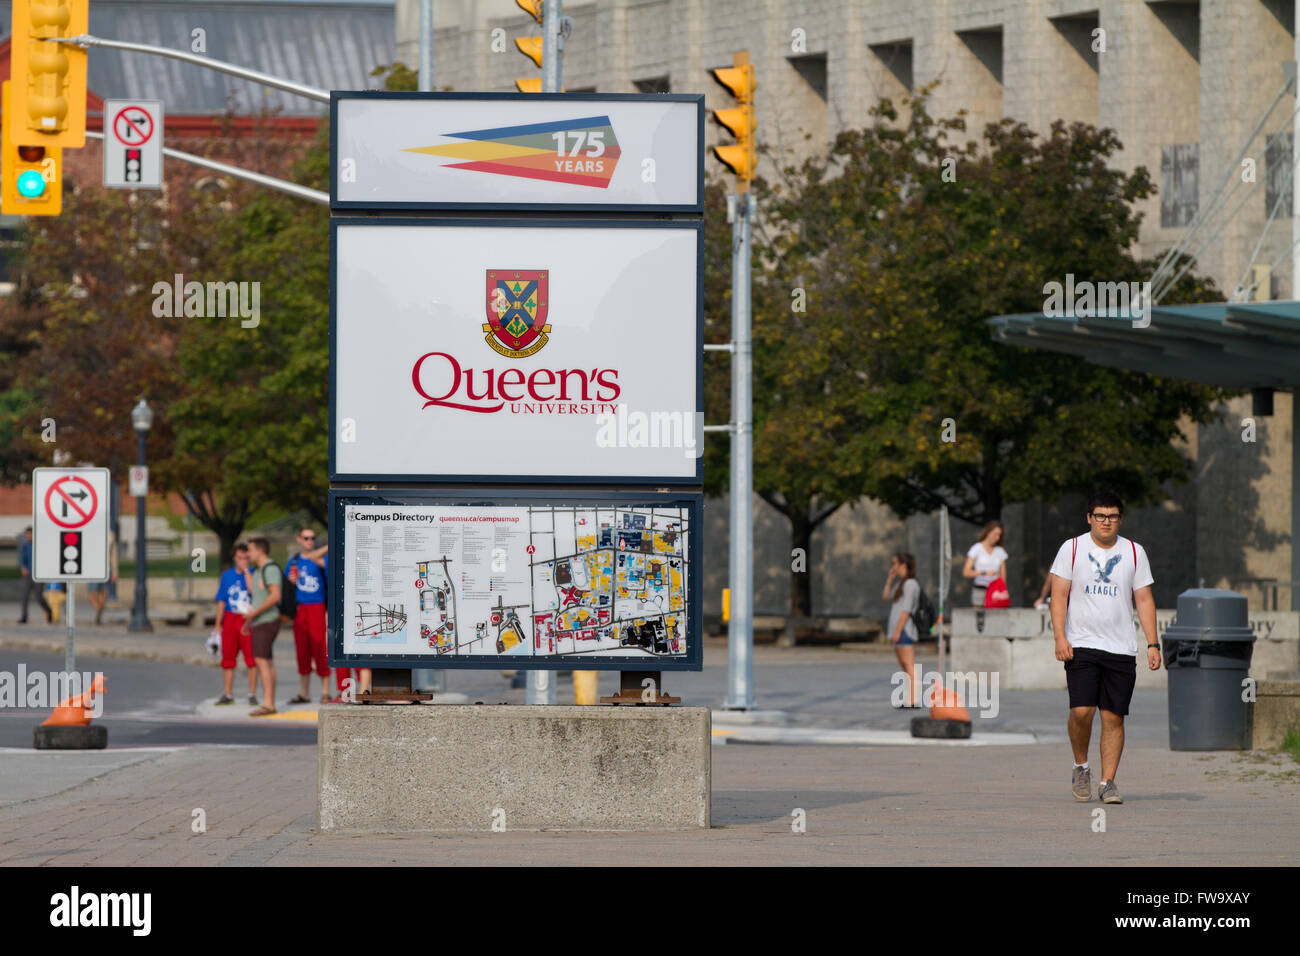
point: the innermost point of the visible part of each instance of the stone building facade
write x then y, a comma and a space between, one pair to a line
1184, 84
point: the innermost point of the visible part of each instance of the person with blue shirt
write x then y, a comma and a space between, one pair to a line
233, 604
306, 572
30, 585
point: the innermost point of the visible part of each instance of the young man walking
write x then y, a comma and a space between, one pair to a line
263, 581
29, 584
1097, 578
233, 604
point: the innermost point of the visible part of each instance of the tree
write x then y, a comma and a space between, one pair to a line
101, 334
898, 266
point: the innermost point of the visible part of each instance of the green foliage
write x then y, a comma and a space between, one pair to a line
398, 77
902, 270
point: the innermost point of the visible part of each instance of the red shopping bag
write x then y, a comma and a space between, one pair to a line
997, 594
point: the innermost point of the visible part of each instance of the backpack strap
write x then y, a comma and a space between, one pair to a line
1074, 549
1135, 554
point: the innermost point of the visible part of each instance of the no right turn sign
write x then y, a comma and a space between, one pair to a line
133, 144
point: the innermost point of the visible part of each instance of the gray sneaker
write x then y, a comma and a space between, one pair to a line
1081, 784
1109, 793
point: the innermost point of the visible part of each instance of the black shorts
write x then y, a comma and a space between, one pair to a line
1101, 679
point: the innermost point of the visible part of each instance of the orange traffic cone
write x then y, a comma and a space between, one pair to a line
947, 707
72, 712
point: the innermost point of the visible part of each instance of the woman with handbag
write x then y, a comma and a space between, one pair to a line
986, 561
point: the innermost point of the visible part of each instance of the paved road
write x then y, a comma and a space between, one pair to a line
255, 780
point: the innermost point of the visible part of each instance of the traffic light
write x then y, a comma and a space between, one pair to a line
49, 94
70, 558
530, 47
31, 177
739, 158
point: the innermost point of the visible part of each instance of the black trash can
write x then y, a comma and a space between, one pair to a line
1207, 653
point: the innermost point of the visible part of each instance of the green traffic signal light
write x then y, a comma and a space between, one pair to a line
31, 184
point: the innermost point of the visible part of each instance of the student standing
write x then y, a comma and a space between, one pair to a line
986, 561
262, 624
1097, 579
902, 589
307, 574
233, 604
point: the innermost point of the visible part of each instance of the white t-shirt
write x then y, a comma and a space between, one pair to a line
1100, 612
987, 564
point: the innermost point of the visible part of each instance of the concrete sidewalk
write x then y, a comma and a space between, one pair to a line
862, 805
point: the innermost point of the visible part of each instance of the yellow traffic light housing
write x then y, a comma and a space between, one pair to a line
31, 175
531, 47
741, 157
49, 92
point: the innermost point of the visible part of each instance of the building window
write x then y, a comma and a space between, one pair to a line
1277, 166
896, 58
1178, 184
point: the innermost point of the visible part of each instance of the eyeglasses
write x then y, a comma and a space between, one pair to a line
1097, 516
308, 537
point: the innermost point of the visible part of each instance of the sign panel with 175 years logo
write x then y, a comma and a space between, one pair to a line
527, 350
70, 524
624, 152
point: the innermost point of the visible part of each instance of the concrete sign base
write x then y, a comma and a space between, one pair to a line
386, 769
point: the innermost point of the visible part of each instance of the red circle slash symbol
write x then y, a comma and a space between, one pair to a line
133, 126
71, 502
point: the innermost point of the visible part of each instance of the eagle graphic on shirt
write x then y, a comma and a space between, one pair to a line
1103, 574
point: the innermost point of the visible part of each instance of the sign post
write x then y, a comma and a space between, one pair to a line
133, 133
70, 533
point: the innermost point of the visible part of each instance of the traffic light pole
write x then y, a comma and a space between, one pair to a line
541, 683
740, 626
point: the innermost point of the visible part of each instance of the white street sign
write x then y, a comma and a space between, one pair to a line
133, 133
138, 481
629, 152
70, 524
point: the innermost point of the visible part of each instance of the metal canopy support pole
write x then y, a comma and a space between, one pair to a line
740, 627
541, 683
1295, 500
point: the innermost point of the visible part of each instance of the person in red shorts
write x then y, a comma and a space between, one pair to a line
306, 573
233, 602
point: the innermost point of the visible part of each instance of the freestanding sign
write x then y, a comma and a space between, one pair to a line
516, 403
133, 132
70, 534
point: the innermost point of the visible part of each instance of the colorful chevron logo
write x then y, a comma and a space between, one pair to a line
582, 151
